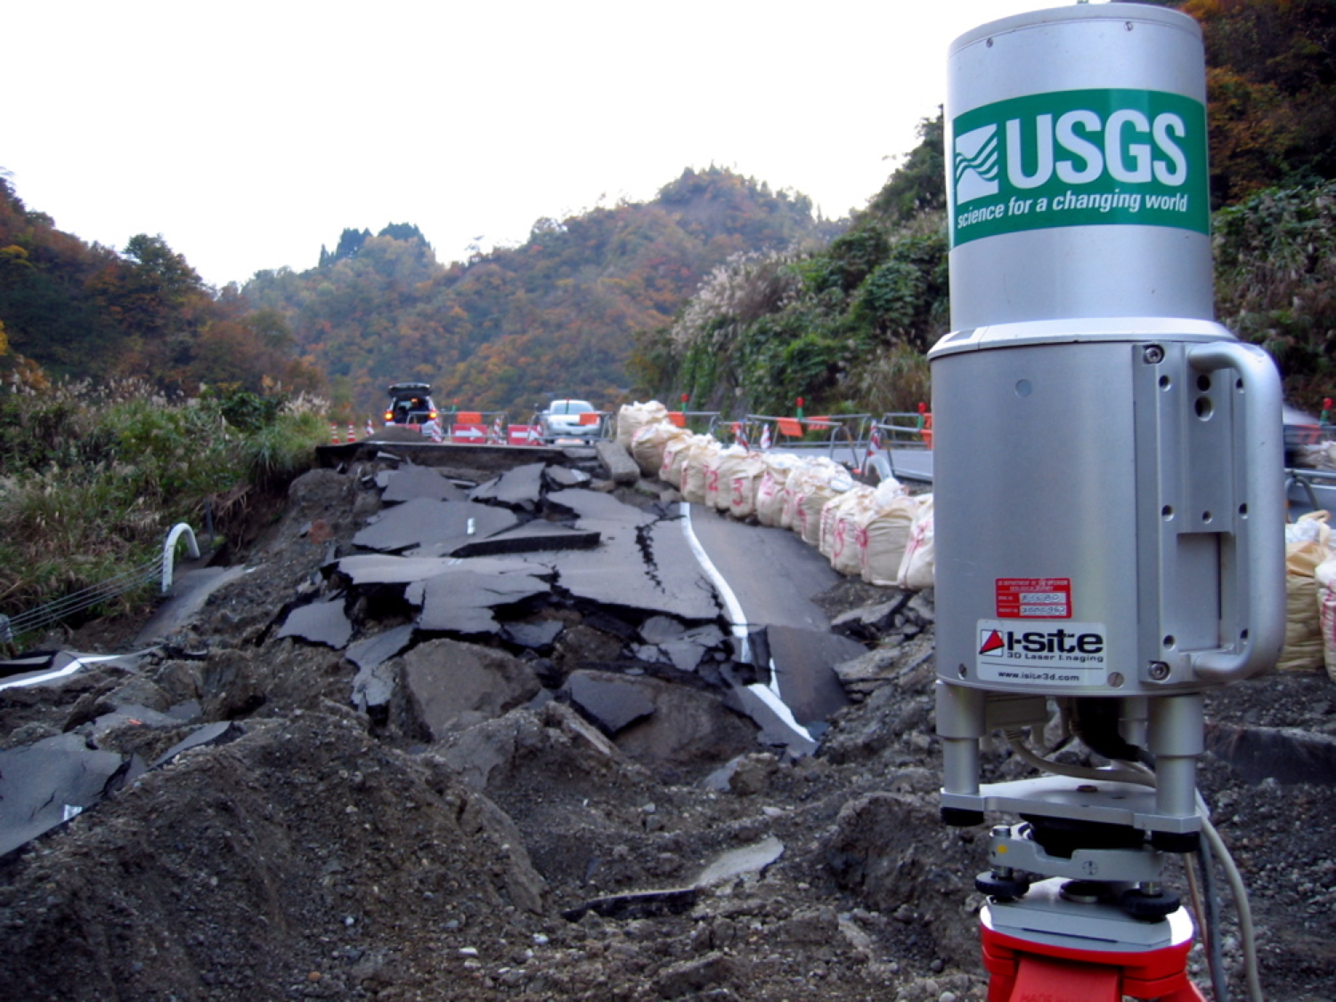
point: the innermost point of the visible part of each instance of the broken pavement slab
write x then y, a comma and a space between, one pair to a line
610, 700
563, 477
520, 488
538, 637
190, 592
41, 668
538, 536
461, 601
644, 564
374, 683
728, 866
596, 510
218, 733
803, 664
432, 528
622, 468
411, 482
44, 784
371, 651
687, 649
690, 729
319, 623
368, 571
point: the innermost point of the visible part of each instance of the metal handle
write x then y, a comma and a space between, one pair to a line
1260, 547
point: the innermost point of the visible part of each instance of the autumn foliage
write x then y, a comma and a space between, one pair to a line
555, 316
78, 310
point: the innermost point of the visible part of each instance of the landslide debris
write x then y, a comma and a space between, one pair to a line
521, 841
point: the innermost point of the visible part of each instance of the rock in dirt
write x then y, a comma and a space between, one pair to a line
449, 685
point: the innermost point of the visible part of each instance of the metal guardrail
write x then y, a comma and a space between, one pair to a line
161, 569
830, 431
1316, 487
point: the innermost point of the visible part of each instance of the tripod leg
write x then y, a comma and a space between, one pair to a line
1062, 981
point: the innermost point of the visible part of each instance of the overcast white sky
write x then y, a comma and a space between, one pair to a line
250, 133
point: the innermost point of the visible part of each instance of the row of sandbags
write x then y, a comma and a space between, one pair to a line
1310, 596
881, 534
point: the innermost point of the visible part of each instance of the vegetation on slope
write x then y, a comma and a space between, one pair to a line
93, 476
78, 310
846, 326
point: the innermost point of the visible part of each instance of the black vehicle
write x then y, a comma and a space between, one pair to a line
410, 403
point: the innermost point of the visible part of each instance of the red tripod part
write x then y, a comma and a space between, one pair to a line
1026, 971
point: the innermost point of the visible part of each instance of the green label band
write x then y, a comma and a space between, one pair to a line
1079, 158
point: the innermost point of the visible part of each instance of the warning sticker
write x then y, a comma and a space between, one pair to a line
1018, 653
1034, 598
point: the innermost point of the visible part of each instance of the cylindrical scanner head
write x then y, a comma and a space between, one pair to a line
1078, 179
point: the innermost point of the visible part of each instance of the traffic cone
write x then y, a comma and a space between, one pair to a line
352, 433
333, 433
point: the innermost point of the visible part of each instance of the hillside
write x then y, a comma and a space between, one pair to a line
85, 311
510, 327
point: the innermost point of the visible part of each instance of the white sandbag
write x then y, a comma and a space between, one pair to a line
1307, 547
719, 473
883, 533
743, 484
648, 443
1325, 576
829, 516
841, 543
632, 417
770, 496
826, 486
794, 489
810, 470
702, 450
675, 452
889, 489
1318, 457
917, 567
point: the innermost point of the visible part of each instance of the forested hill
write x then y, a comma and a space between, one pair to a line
71, 309
554, 316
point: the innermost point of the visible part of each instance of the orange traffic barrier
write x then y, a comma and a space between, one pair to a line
926, 431
677, 419
820, 423
468, 417
791, 427
589, 417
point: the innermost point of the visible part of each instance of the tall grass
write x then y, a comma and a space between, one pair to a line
93, 477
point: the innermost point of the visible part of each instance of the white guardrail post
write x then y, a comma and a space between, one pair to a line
169, 551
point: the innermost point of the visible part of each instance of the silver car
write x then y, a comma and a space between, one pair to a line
570, 419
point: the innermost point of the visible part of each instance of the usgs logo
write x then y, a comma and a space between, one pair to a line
1079, 158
